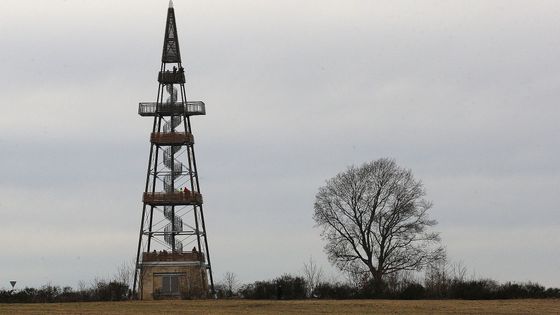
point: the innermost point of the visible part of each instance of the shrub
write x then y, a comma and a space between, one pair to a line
413, 291
474, 290
286, 287
335, 291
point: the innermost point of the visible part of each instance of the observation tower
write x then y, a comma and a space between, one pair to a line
173, 259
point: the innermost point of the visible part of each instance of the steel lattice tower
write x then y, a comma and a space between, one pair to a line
172, 213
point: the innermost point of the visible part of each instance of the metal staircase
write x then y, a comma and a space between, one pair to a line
175, 224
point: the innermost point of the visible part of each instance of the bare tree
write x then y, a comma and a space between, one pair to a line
374, 219
436, 278
458, 271
82, 287
125, 273
397, 282
230, 283
313, 275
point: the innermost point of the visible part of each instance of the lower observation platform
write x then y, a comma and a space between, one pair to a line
172, 199
172, 256
175, 109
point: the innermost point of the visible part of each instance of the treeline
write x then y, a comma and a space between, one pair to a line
442, 281
289, 287
483, 289
115, 288
98, 291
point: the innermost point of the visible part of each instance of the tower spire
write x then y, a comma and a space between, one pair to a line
171, 52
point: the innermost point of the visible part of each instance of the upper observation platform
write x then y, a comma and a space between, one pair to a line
172, 77
176, 109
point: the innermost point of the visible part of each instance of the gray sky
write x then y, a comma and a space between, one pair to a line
462, 92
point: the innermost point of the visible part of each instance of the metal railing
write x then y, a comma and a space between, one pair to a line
172, 198
171, 137
177, 108
168, 77
173, 256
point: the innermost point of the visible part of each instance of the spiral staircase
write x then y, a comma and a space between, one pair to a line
175, 224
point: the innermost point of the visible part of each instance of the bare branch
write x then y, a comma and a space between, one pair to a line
374, 218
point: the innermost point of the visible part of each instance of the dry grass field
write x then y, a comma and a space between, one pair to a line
292, 307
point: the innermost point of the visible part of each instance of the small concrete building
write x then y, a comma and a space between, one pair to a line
166, 275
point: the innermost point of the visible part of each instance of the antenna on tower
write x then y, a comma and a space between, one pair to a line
171, 3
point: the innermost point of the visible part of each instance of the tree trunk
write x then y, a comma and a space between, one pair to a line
378, 284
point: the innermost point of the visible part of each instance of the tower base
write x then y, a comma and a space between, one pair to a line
173, 276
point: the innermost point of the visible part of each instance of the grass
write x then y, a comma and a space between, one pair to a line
529, 306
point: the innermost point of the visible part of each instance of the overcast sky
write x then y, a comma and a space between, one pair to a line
464, 93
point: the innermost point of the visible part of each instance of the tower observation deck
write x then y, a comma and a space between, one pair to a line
172, 211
